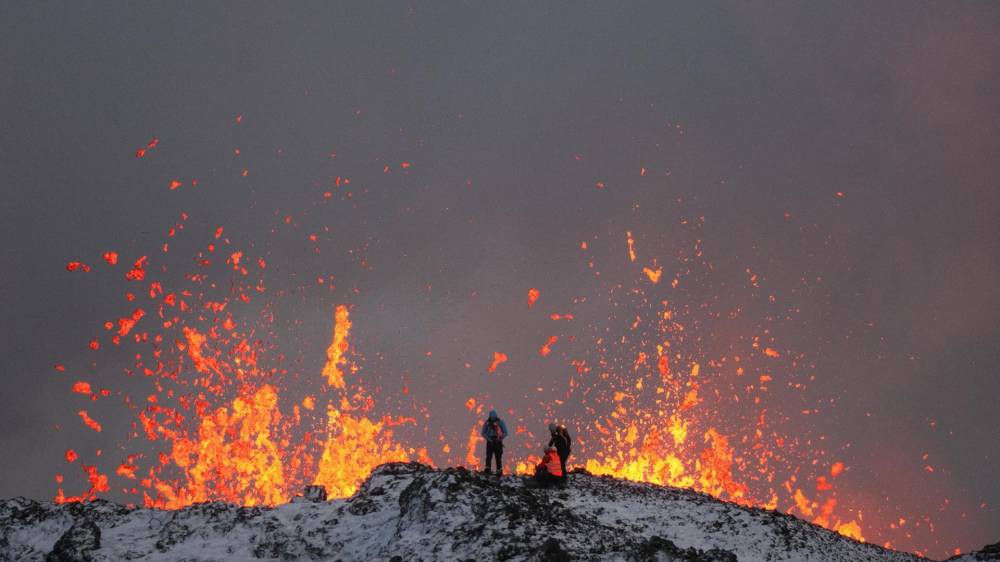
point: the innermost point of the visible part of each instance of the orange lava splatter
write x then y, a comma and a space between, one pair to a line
88, 421
81, 387
547, 347
532, 296
355, 445
125, 324
309, 403
335, 353
149, 146
126, 470
234, 456
472, 445
138, 271
498, 358
653, 274
98, 484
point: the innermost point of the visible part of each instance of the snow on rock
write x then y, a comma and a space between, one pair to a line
410, 512
989, 553
314, 494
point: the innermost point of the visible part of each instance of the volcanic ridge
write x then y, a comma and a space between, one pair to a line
411, 512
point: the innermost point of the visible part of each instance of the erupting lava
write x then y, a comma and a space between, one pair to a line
244, 453
227, 419
227, 434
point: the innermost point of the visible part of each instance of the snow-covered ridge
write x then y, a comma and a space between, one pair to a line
410, 512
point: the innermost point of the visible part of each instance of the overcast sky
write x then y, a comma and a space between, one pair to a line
749, 118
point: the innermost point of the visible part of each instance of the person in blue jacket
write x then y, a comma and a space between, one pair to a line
494, 431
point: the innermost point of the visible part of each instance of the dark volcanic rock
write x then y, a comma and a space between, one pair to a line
658, 549
314, 493
413, 513
989, 553
172, 533
76, 544
552, 551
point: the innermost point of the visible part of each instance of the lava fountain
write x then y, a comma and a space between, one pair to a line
225, 418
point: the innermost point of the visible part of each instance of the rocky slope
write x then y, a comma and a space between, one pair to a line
989, 553
409, 512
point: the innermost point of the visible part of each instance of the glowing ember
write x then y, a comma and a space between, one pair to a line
98, 484
630, 242
532, 296
149, 146
81, 387
653, 274
138, 271
498, 358
547, 348
89, 422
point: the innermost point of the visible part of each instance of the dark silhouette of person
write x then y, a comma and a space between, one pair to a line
562, 442
494, 431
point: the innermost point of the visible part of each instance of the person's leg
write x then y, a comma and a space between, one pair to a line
499, 456
542, 478
562, 463
489, 455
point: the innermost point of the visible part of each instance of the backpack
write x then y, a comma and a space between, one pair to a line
497, 432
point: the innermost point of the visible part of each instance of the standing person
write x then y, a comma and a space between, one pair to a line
562, 442
494, 431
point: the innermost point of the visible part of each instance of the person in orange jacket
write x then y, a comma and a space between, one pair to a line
549, 471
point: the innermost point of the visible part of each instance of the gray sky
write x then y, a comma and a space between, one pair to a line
749, 119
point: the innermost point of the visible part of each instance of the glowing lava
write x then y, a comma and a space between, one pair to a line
228, 416
335, 353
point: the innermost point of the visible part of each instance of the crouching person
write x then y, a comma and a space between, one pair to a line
549, 471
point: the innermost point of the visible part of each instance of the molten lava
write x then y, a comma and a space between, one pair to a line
335, 353
229, 416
